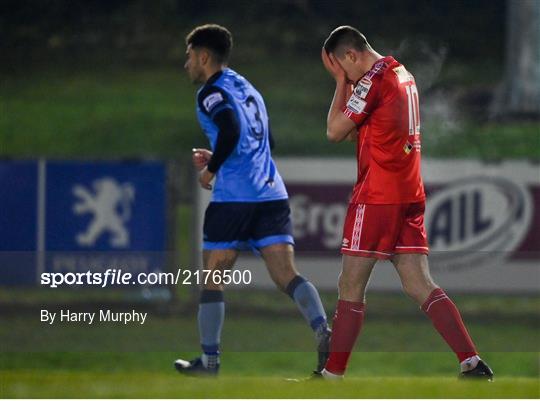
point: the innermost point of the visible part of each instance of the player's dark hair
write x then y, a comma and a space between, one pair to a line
215, 38
345, 36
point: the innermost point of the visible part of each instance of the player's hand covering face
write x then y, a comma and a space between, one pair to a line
332, 65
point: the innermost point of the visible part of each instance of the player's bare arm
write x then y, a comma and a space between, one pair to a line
352, 136
205, 178
338, 126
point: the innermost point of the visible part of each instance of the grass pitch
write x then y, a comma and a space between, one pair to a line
401, 357
261, 375
127, 112
164, 385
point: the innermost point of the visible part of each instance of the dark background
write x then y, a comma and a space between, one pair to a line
61, 31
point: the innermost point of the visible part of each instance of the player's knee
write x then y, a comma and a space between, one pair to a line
350, 291
419, 291
283, 282
212, 279
282, 275
410, 291
279, 283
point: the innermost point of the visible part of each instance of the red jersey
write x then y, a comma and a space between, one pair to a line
384, 106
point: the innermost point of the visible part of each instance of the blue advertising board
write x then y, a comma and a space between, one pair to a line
18, 221
75, 216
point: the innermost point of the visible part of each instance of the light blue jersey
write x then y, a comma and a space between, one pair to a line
249, 173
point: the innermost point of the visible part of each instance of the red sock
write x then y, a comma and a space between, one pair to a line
345, 329
446, 318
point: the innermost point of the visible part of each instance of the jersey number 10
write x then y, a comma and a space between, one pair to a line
414, 109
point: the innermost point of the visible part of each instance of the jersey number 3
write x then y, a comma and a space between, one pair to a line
254, 117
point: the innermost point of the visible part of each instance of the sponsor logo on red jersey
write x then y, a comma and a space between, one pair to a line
356, 104
363, 87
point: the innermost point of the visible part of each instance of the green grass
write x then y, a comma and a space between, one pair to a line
381, 304
394, 358
100, 114
495, 321
488, 141
153, 385
125, 112
398, 354
363, 363
245, 334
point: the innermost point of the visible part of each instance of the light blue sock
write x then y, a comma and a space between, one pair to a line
210, 317
307, 298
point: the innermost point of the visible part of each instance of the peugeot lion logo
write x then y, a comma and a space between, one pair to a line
110, 205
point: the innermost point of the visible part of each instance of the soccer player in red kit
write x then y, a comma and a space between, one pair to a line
376, 104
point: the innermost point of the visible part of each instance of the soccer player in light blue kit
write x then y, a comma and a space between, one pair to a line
249, 206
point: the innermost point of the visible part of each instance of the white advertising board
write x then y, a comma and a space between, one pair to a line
482, 220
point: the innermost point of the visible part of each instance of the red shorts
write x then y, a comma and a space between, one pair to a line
381, 231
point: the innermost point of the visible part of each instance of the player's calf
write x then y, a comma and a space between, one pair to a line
306, 297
